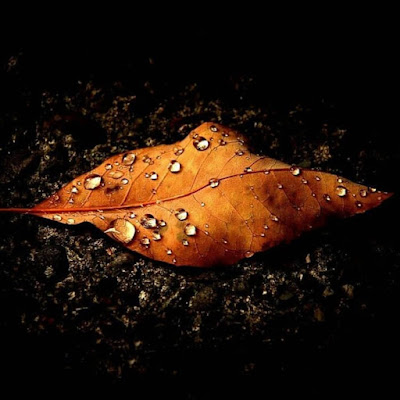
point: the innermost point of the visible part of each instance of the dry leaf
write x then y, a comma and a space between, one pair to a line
204, 201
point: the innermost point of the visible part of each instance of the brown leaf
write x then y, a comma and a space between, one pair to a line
204, 201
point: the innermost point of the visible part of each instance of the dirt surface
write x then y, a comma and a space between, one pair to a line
78, 307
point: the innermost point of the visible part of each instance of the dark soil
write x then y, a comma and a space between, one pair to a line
317, 316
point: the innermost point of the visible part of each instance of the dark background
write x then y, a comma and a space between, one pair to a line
304, 79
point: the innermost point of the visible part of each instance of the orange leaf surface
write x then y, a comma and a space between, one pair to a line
204, 201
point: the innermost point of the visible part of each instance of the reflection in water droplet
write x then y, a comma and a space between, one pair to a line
239, 152
74, 189
57, 217
147, 175
249, 254
163, 223
125, 181
274, 218
296, 171
181, 214
116, 174
116, 163
201, 143
169, 252
128, 159
317, 178
92, 181
359, 204
108, 166
326, 197
174, 166
157, 235
190, 230
363, 193
145, 241
185, 242
341, 191
148, 221
213, 128
178, 151
214, 182
122, 230
154, 176
248, 169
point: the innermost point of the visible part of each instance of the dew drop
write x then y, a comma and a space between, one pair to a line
154, 176
372, 190
169, 252
359, 204
296, 171
266, 172
116, 174
313, 195
70, 221
74, 189
206, 226
224, 134
363, 193
128, 159
341, 191
224, 241
57, 217
157, 235
266, 227
280, 186
201, 143
317, 178
326, 197
249, 254
147, 175
122, 230
145, 241
248, 169
71, 201
181, 214
214, 182
148, 221
190, 230
178, 151
207, 233
174, 166
163, 223
146, 159
202, 204
221, 142
185, 242
125, 181
213, 128
154, 191
92, 182
239, 152
108, 167
174, 260
116, 163
340, 180
274, 218
133, 215
305, 181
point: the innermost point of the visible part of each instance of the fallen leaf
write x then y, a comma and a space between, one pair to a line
204, 201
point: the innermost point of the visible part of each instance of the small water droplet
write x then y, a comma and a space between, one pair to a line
163, 223
341, 191
241, 175
248, 169
363, 193
213, 128
122, 230
147, 175
154, 176
74, 189
206, 226
57, 217
169, 252
305, 181
296, 171
70, 221
379, 198
266, 172
202, 204
178, 151
214, 182
125, 181
116, 174
174, 166
313, 195
201, 143
224, 134
359, 204
79, 183
174, 260
190, 230
128, 159
266, 227
108, 167
249, 254
280, 186
146, 159
239, 152
116, 163
157, 235
262, 234
154, 191
326, 197
181, 214
71, 201
274, 218
372, 190
221, 142
92, 182
148, 221
224, 241
317, 178
340, 180
133, 215
206, 232
145, 241
185, 242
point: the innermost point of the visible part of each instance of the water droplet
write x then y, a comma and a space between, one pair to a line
71, 201
57, 217
296, 171
154, 191
313, 195
116, 163
239, 152
224, 241
213, 128
163, 223
157, 235
108, 166
116, 174
148, 221
125, 181
185, 242
122, 230
248, 169
147, 175
195, 136
340, 180
154, 176
317, 178
326, 197
359, 204
280, 186
266, 227
145, 241
201, 143
249, 254
221, 142
274, 218
169, 252
174, 260
133, 215
262, 234
372, 190
206, 226
214, 182
190, 230
70, 221
79, 183
202, 204
174, 166
146, 159
92, 182
224, 134
74, 189
181, 214
128, 159
266, 172
341, 191
207, 233
305, 181
178, 151
363, 193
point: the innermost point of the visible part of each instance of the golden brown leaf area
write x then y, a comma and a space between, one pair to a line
204, 201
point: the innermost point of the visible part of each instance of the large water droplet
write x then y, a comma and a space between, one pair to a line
178, 150
239, 152
214, 182
213, 128
363, 193
125, 181
185, 242
92, 181
128, 159
157, 235
326, 197
341, 191
249, 254
190, 230
74, 189
174, 166
122, 230
181, 214
296, 171
148, 221
201, 143
154, 176
116, 174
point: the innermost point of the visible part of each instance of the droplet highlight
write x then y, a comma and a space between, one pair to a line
214, 182
148, 221
201, 143
92, 182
